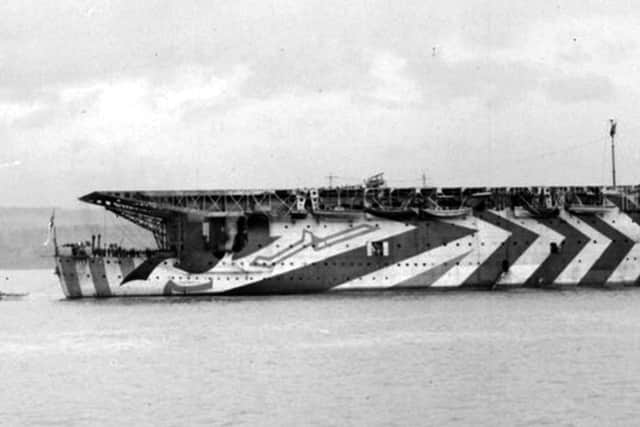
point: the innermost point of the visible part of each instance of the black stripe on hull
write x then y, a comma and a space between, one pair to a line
99, 275
127, 266
341, 268
509, 251
612, 257
142, 272
429, 277
574, 241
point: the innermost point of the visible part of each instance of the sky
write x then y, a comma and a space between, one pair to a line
241, 94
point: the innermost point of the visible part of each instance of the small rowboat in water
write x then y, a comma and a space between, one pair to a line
10, 295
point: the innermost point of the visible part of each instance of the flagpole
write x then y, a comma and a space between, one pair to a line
55, 239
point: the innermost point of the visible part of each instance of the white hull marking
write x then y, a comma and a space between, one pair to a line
588, 256
486, 240
534, 255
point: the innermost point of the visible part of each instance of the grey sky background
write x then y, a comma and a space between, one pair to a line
239, 94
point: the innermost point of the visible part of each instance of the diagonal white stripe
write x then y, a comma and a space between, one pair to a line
406, 269
628, 270
485, 241
535, 254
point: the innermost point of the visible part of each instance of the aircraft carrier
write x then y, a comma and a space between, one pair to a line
368, 236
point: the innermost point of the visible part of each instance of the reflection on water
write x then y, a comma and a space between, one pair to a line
460, 358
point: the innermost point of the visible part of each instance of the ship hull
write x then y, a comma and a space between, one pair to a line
485, 250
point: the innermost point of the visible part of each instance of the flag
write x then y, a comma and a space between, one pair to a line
612, 131
51, 227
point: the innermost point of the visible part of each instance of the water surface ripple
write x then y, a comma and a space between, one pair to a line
517, 358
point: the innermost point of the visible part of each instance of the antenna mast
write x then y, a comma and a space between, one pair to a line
612, 134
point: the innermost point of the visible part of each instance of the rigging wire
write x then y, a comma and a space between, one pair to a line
509, 160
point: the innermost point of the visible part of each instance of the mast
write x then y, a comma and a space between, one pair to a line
612, 134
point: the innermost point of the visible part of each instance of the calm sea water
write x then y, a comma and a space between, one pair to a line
460, 358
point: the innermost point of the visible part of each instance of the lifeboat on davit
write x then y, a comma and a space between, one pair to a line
397, 214
589, 202
445, 213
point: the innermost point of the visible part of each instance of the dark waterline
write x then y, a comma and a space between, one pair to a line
376, 358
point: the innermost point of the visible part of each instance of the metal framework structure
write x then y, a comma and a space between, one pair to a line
153, 210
